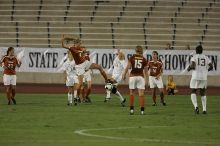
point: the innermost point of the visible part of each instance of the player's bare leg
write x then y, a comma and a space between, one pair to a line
154, 97
78, 87
131, 102
141, 99
88, 91
8, 93
101, 70
162, 96
13, 94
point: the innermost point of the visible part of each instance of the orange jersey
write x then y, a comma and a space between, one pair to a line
78, 55
155, 68
10, 62
138, 63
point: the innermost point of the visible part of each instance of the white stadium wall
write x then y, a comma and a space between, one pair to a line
44, 65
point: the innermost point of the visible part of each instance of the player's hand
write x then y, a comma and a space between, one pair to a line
123, 77
157, 77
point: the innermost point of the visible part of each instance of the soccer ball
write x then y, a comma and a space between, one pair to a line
108, 86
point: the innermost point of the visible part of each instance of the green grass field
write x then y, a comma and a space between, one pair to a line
45, 120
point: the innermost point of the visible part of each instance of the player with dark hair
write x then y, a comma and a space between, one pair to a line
137, 63
155, 67
200, 65
9, 63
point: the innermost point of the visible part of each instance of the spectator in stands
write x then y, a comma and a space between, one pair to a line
9, 62
171, 86
168, 47
187, 47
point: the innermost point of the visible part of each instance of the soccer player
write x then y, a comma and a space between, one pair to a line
119, 65
137, 63
70, 78
82, 64
87, 81
155, 67
200, 65
9, 62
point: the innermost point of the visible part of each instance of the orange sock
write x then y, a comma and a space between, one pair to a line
131, 99
141, 99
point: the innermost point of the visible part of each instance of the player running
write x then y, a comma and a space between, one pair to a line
200, 65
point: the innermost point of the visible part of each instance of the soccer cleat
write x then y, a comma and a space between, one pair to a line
13, 100
9, 102
154, 104
78, 100
107, 99
88, 100
204, 112
164, 104
75, 101
197, 110
123, 102
131, 112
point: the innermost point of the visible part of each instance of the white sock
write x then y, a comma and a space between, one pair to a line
119, 95
204, 100
70, 98
108, 94
75, 93
194, 100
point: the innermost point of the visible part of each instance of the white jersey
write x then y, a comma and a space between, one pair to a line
201, 68
118, 66
69, 67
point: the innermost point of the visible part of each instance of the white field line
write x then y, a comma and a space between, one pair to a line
85, 132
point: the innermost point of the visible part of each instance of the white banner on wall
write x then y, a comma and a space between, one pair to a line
50, 60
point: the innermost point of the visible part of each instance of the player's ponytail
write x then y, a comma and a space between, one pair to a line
9, 49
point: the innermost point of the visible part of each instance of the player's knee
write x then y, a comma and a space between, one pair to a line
114, 90
193, 91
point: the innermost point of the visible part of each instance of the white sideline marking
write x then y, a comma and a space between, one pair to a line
85, 132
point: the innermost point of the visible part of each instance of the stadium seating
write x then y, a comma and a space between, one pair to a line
111, 23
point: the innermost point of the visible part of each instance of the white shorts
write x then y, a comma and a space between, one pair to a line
136, 82
153, 82
117, 77
71, 80
196, 84
9, 79
87, 76
81, 68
